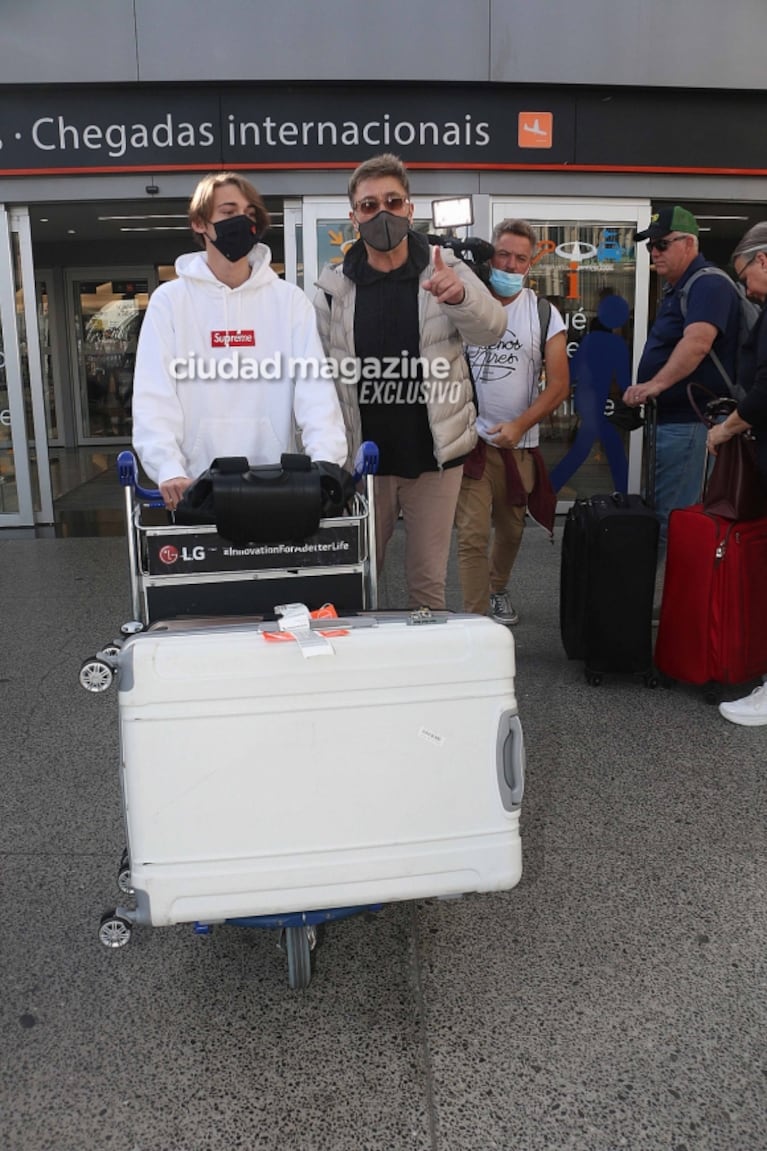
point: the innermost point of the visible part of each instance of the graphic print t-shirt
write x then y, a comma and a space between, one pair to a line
506, 374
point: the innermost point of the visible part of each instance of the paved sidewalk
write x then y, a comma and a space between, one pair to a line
614, 1000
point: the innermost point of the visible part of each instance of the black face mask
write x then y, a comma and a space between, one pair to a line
384, 231
235, 237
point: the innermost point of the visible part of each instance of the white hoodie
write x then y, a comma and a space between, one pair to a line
197, 326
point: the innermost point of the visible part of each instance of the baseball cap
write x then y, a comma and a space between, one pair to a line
674, 219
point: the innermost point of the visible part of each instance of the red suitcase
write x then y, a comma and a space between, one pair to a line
713, 620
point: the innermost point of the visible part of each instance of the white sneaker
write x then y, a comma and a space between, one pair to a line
751, 711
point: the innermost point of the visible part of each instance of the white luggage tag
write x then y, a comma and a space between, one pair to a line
295, 618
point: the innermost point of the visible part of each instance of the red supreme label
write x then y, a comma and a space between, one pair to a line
245, 339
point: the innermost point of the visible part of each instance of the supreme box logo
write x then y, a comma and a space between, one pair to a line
244, 339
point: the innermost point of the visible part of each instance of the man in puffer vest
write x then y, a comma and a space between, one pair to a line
393, 319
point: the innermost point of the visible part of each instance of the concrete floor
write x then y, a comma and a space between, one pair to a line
615, 999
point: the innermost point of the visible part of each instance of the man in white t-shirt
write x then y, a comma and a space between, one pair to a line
506, 471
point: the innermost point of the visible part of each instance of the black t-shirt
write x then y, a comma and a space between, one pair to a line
387, 342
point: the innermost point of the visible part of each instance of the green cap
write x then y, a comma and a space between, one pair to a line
674, 219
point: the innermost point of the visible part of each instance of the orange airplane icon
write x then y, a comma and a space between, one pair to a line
536, 129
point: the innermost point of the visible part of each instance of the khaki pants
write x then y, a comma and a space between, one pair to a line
481, 507
428, 508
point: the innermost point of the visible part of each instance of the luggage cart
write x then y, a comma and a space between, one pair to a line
178, 571
392, 769
214, 577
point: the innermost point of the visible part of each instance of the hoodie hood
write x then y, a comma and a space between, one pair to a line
194, 266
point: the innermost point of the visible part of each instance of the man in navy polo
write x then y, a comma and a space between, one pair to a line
677, 351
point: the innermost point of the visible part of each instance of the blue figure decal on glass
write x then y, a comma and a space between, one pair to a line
609, 248
602, 358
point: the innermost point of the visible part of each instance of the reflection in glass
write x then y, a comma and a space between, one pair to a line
109, 317
575, 265
9, 501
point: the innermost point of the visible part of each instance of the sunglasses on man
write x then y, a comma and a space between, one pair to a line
661, 245
392, 202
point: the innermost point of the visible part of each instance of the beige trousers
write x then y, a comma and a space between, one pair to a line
428, 509
482, 509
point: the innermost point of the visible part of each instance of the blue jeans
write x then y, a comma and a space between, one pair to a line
679, 463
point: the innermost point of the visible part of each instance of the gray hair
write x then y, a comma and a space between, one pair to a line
754, 241
516, 228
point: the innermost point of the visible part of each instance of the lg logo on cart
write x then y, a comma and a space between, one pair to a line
169, 554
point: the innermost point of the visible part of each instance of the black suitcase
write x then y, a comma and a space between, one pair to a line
607, 584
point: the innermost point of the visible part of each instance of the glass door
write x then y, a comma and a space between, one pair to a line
106, 314
25, 489
328, 233
585, 256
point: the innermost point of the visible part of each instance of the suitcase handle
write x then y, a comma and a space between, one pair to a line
511, 760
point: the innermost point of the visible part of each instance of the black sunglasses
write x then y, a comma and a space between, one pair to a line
661, 245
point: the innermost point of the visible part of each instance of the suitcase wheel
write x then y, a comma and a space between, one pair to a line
114, 930
123, 874
650, 679
112, 649
96, 675
299, 942
593, 679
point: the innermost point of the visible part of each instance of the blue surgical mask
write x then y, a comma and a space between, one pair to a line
506, 284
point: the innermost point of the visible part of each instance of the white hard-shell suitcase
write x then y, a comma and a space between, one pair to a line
267, 768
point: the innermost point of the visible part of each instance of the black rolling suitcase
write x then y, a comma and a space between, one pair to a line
607, 584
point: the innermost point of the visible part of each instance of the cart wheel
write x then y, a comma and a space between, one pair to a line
123, 874
96, 675
298, 947
114, 931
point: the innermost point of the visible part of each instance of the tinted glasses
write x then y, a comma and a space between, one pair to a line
391, 202
661, 245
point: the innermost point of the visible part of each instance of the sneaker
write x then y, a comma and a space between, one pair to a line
502, 610
751, 711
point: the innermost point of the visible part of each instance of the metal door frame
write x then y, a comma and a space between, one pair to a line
14, 222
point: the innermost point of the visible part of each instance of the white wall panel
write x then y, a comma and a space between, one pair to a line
77, 41
655, 43
658, 43
305, 40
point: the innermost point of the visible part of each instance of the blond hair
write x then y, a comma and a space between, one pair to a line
201, 203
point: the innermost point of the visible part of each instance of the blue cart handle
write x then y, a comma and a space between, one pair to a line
365, 464
366, 461
127, 471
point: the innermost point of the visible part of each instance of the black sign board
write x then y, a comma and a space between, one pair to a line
153, 128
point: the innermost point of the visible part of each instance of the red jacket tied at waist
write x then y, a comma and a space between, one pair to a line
541, 502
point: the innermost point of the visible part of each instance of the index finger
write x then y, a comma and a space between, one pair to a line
438, 262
